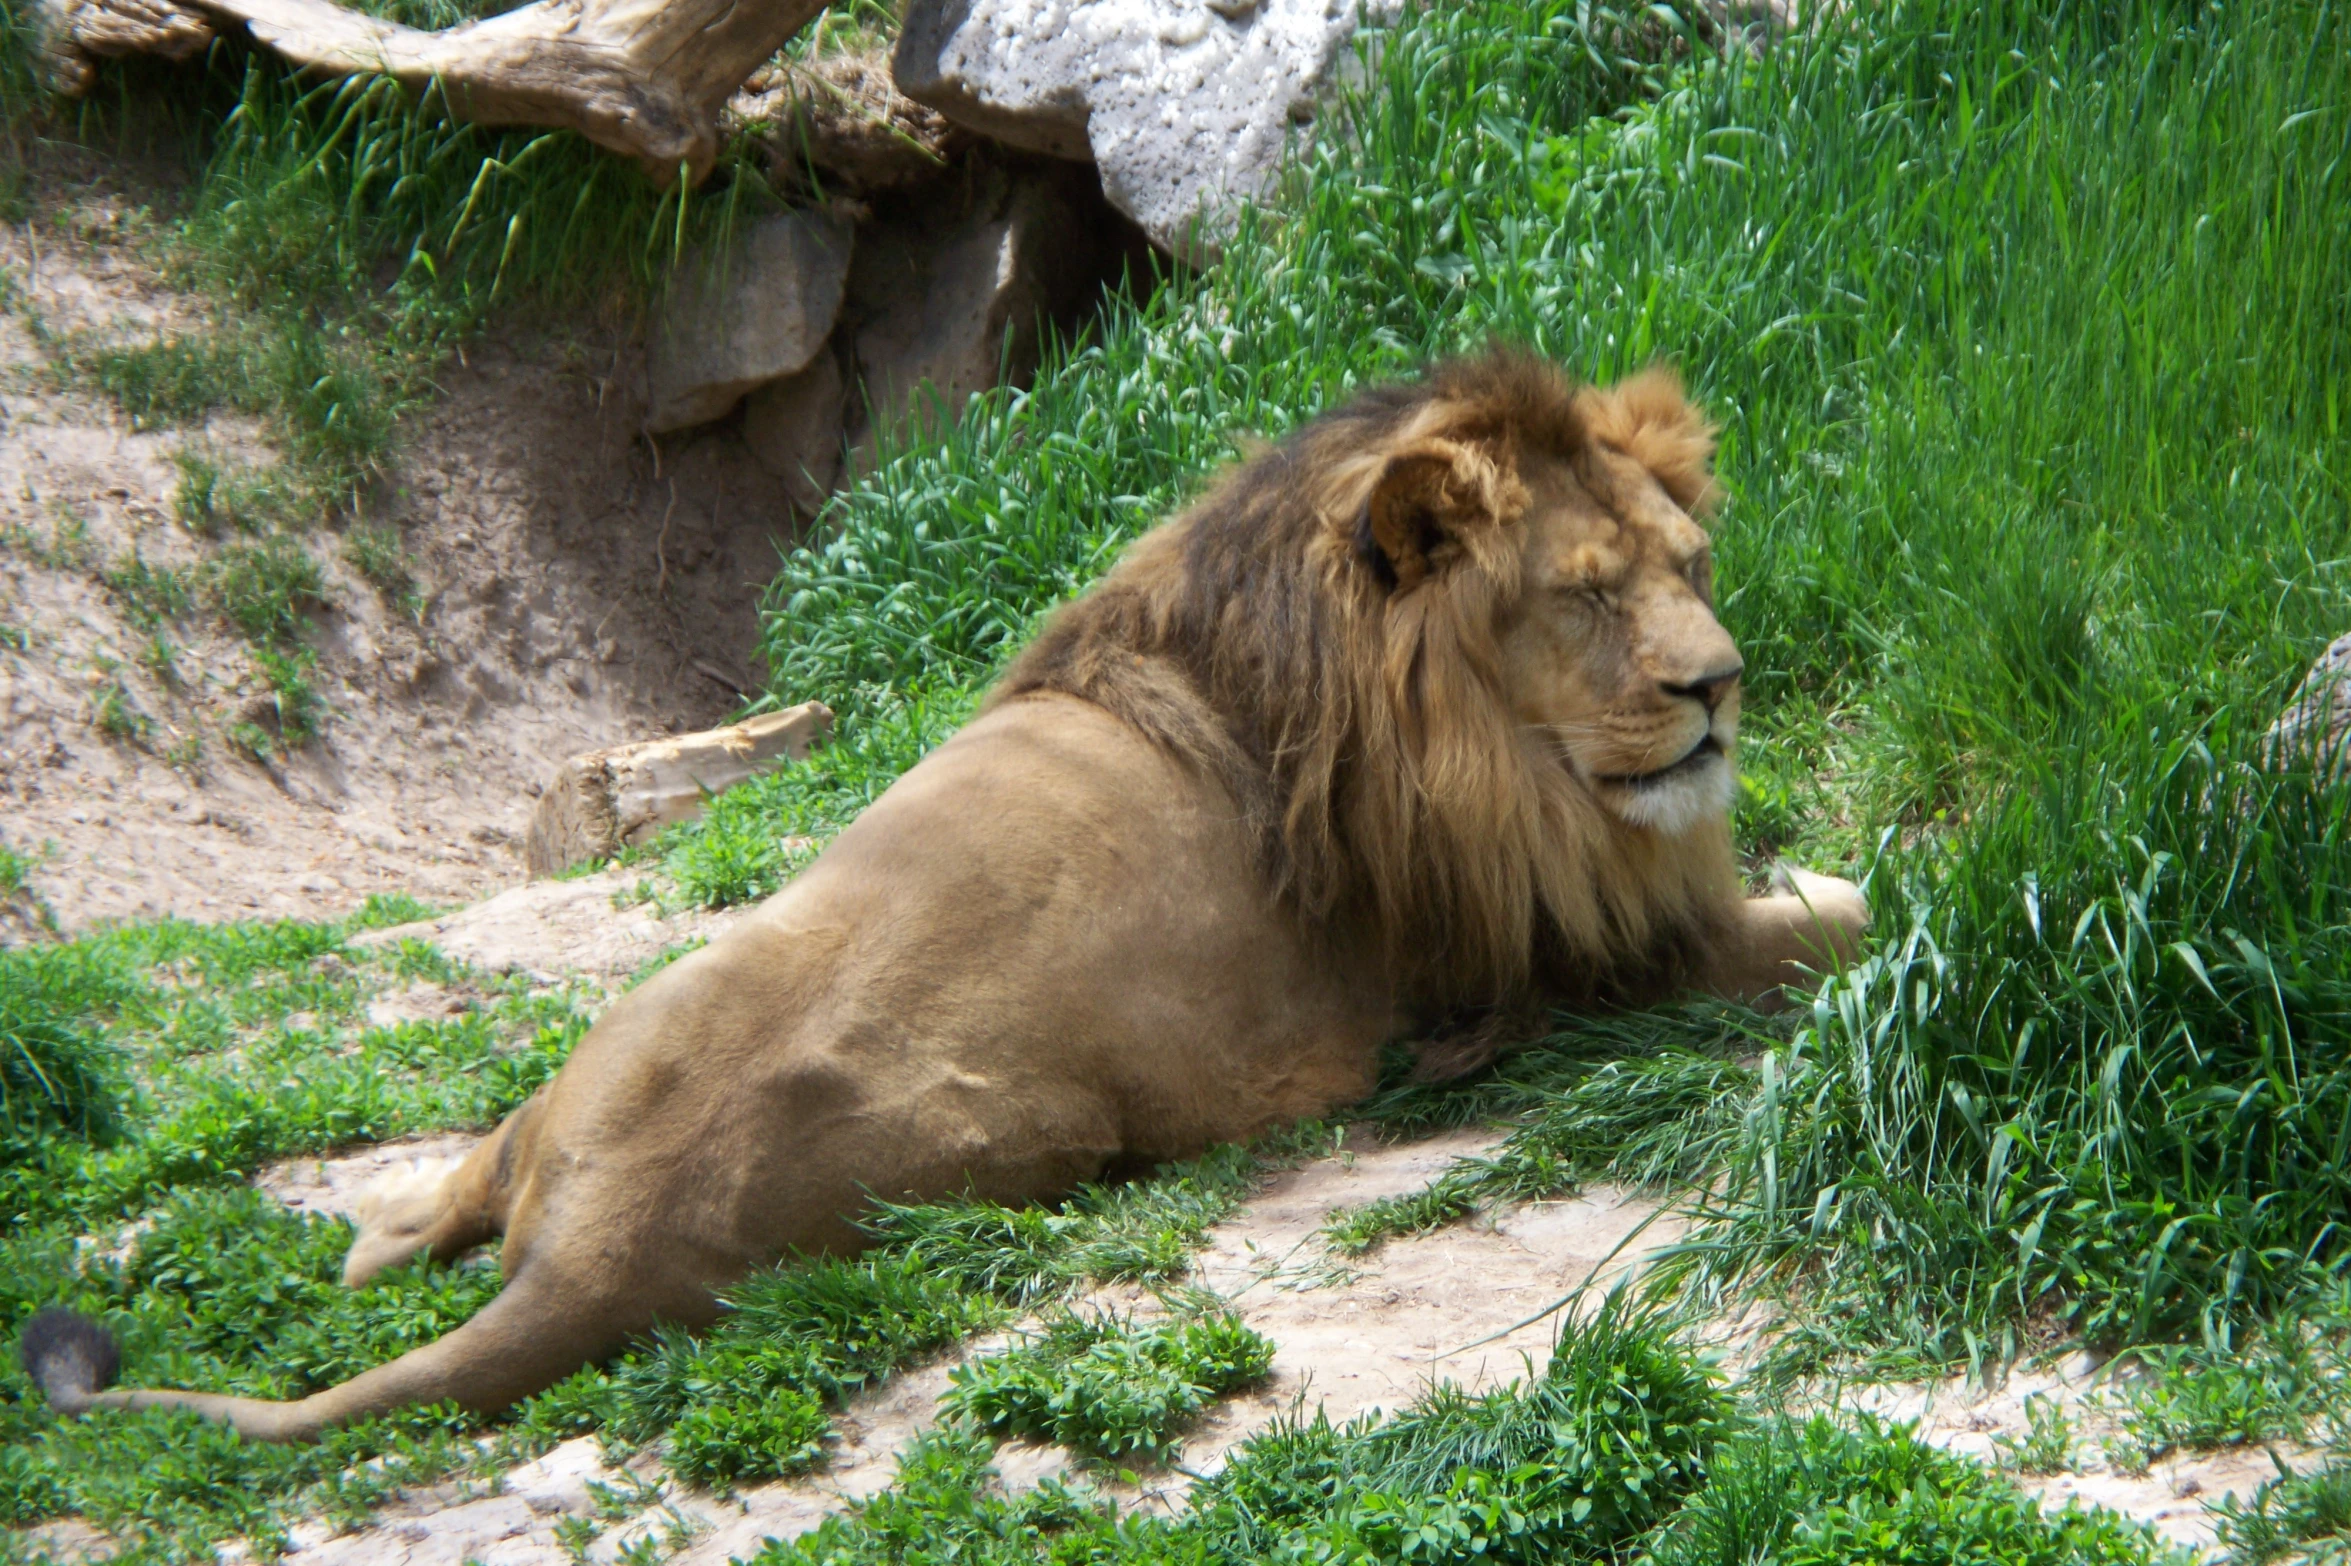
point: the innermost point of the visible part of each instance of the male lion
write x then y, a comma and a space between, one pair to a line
1421, 713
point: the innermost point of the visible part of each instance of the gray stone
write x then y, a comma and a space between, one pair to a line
2316, 721
793, 427
951, 312
1187, 107
755, 316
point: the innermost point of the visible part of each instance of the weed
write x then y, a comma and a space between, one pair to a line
1106, 1386
2294, 1515
1357, 1231
15, 638
287, 713
213, 496
114, 712
265, 589
150, 595
1820, 1495
376, 554
2201, 1398
2047, 1444
160, 659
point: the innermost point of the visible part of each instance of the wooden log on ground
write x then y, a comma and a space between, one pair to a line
607, 799
645, 78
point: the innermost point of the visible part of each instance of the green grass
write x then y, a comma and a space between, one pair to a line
1109, 1387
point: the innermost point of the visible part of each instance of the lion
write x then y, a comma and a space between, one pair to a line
1421, 714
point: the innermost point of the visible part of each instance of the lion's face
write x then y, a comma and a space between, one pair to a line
1612, 650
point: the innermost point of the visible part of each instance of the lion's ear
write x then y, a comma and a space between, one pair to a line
1429, 499
1646, 417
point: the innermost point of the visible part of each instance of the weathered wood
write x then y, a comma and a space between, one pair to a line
646, 78
607, 799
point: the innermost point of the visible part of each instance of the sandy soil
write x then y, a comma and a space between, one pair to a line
584, 586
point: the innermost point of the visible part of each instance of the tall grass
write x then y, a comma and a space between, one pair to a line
2023, 324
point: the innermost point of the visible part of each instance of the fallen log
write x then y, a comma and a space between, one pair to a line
607, 799
644, 78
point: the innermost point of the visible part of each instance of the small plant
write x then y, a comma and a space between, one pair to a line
287, 715
160, 659
186, 754
1360, 1230
266, 589
2306, 1515
163, 382
14, 638
211, 497
2047, 1444
1104, 1386
114, 712
1818, 1494
375, 553
2200, 1399
149, 595
576, 1536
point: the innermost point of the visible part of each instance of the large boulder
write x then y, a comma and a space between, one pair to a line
793, 427
735, 323
1186, 106
946, 308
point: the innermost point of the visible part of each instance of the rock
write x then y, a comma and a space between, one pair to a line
793, 427
757, 316
608, 798
1185, 106
2315, 721
949, 310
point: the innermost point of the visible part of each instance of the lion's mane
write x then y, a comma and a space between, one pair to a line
1358, 720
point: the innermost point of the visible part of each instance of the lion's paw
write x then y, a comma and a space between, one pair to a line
1832, 897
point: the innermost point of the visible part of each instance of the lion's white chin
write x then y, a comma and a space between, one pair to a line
1674, 805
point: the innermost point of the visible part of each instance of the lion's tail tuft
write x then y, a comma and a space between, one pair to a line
71, 1357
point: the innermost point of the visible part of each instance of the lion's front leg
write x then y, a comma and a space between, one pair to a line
1810, 925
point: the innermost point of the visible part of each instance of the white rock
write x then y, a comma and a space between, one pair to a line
1187, 107
756, 316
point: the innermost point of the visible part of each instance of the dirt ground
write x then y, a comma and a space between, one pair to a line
583, 586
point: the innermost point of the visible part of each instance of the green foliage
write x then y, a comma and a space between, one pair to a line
150, 595
1577, 1463
1107, 1386
375, 552
2047, 1444
57, 1078
210, 497
2294, 1374
1813, 1494
265, 589
2306, 1515
748, 1399
1143, 1231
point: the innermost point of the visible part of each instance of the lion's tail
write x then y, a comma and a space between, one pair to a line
520, 1343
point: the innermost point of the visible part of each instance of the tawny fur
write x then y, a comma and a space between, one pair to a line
1418, 722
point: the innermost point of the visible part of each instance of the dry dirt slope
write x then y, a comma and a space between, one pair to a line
580, 585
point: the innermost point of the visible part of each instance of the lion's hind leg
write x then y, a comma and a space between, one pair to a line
438, 1207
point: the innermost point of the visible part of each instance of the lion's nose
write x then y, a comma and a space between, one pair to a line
1708, 688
